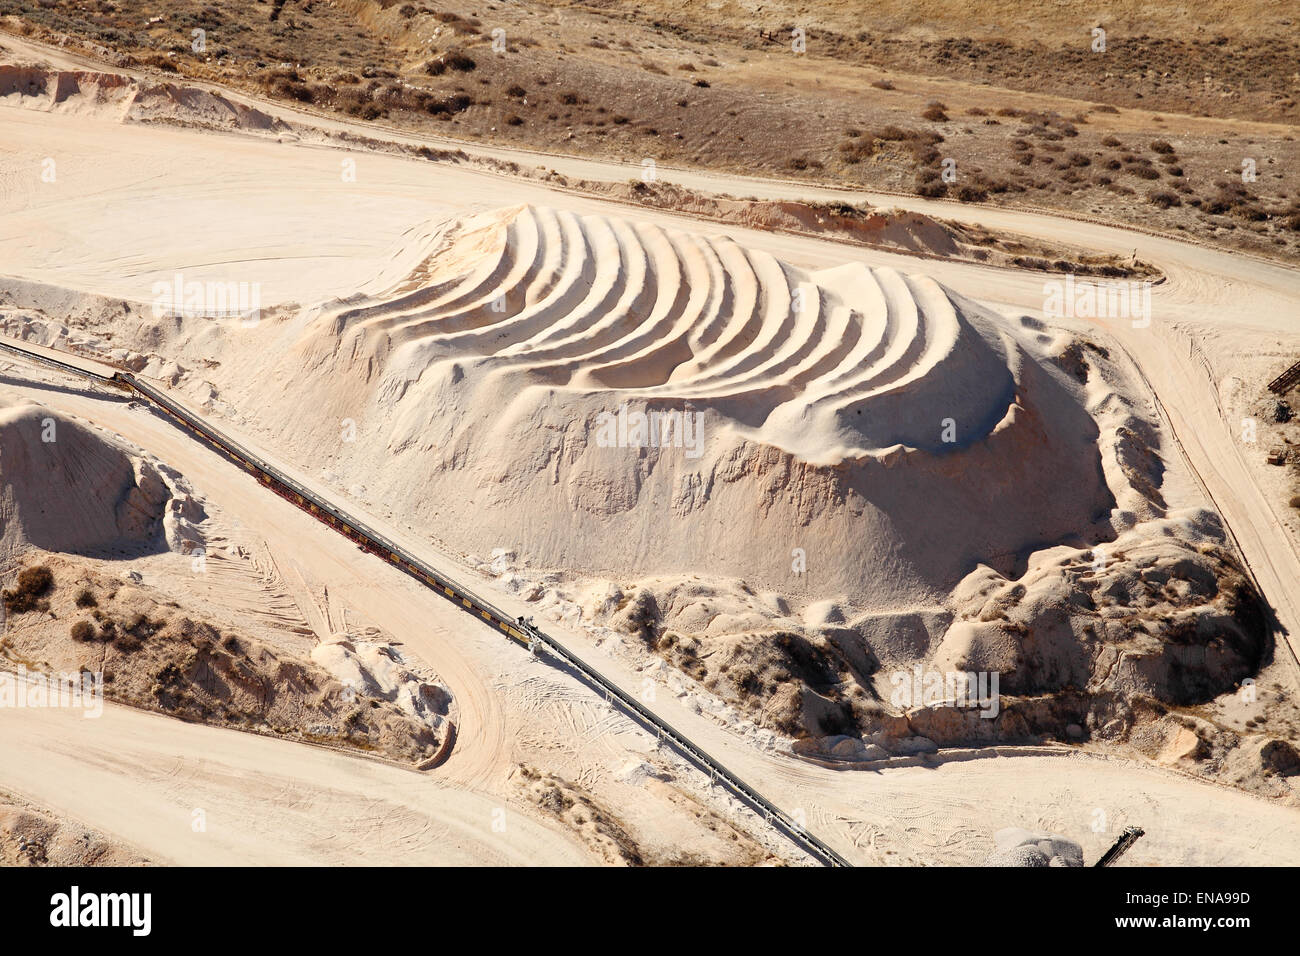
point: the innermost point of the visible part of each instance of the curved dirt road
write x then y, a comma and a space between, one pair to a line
124, 214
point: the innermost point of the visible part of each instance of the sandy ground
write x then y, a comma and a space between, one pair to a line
912, 815
134, 205
219, 797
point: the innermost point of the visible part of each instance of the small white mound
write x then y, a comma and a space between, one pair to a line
368, 669
637, 773
1019, 847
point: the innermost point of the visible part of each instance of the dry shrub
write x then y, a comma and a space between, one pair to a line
288, 89
456, 60
854, 151
931, 189
33, 585
126, 642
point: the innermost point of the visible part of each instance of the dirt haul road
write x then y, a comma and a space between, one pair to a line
135, 205
192, 795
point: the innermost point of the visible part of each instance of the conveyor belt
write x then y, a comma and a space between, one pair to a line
377, 544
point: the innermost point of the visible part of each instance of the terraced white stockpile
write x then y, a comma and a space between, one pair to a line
829, 365
896, 432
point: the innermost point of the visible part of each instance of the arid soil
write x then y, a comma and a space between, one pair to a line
609, 839
30, 836
152, 655
1013, 105
118, 96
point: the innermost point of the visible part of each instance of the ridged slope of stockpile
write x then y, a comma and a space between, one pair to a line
877, 420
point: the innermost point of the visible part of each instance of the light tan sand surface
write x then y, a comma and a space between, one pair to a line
377, 288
